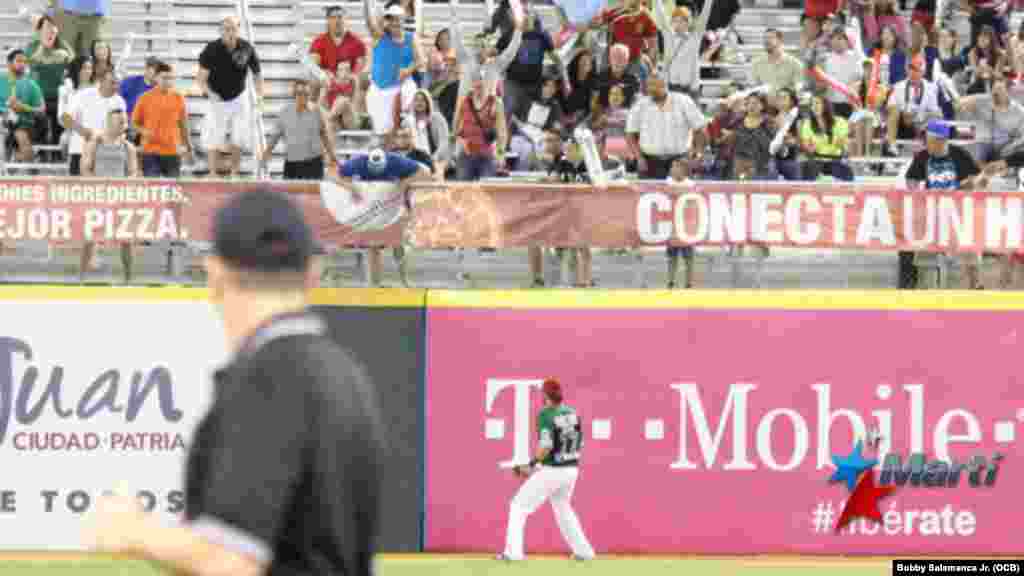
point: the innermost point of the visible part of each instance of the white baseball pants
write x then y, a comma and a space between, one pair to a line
550, 482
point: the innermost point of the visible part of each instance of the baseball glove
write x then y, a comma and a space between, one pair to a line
522, 470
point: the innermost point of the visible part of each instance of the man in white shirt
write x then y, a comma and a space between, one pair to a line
913, 102
87, 116
659, 129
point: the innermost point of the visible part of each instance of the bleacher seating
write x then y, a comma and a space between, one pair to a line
179, 29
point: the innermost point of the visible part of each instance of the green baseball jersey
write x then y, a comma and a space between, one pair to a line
560, 432
26, 91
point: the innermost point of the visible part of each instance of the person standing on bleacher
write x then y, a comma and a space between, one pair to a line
161, 119
224, 66
307, 139
682, 47
396, 58
776, 68
83, 21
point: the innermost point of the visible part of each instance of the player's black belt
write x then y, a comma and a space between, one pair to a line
563, 464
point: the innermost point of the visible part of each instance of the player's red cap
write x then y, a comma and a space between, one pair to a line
553, 390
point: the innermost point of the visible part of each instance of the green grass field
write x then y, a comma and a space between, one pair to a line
463, 565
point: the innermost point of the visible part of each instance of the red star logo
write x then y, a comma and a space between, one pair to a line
863, 501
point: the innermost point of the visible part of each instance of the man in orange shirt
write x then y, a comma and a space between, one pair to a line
162, 122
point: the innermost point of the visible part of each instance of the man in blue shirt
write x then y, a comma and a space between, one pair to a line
373, 204
133, 87
81, 22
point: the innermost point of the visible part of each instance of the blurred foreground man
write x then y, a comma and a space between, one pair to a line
299, 496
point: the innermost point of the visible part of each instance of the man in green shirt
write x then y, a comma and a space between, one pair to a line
20, 101
554, 472
49, 57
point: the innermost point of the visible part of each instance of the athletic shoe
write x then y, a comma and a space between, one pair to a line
505, 558
579, 558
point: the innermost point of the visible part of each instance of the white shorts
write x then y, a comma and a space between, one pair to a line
380, 104
228, 122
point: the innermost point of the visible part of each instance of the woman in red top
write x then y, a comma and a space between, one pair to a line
631, 24
482, 133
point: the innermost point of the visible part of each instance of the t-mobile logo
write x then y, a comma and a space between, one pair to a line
495, 427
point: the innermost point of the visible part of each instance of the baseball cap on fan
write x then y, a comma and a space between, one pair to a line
395, 10
263, 230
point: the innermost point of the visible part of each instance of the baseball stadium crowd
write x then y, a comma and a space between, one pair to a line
870, 83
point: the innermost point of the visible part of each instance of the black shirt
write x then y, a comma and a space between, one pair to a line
284, 467
228, 68
942, 173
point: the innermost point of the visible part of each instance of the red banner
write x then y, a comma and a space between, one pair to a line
131, 210
849, 216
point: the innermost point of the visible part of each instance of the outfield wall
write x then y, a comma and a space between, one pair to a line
96, 349
711, 418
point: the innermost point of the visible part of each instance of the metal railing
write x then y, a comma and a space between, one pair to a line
259, 134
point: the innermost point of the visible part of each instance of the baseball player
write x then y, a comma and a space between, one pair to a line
552, 474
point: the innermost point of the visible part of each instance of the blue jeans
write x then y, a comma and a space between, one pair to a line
788, 169
835, 168
469, 168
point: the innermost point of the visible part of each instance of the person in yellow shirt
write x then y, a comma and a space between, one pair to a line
825, 139
161, 119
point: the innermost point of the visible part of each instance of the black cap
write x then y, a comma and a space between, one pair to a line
334, 10
263, 230
153, 61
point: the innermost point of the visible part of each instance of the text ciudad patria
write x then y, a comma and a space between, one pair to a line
91, 211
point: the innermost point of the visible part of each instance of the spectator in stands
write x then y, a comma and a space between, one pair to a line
487, 60
441, 64
306, 136
411, 22
22, 105
380, 166
890, 65
542, 158
161, 120
108, 154
998, 120
87, 117
431, 134
720, 130
336, 45
133, 87
912, 104
631, 25
535, 117
986, 13
952, 58
682, 46
224, 66
102, 56
712, 50
612, 125
617, 74
825, 139
481, 131
582, 88
48, 57
526, 71
82, 21
810, 41
987, 49
865, 118
678, 174
404, 143
343, 99
776, 68
660, 128
845, 66
819, 9
80, 76
752, 139
787, 155
396, 58
943, 166
920, 45
882, 14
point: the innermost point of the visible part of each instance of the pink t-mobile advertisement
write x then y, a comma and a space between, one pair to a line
734, 431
